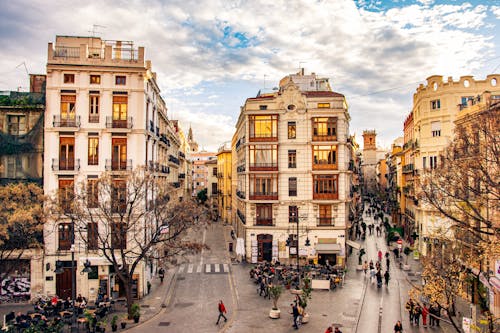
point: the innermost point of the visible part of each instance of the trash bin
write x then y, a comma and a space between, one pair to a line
230, 246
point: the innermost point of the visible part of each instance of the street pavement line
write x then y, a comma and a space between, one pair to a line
199, 268
203, 248
226, 268
208, 268
217, 268
190, 269
181, 269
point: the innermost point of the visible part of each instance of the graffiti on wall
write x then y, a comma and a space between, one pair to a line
15, 286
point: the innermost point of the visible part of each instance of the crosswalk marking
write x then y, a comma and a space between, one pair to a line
203, 268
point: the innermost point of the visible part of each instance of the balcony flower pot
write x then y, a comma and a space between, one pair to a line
123, 324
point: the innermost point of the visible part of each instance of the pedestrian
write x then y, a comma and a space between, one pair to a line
379, 279
337, 330
161, 273
329, 329
409, 307
222, 310
379, 255
387, 262
398, 328
417, 311
295, 313
365, 267
425, 312
431, 316
386, 277
372, 275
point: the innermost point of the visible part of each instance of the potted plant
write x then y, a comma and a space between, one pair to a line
306, 295
275, 293
135, 312
91, 321
123, 324
101, 326
407, 252
114, 323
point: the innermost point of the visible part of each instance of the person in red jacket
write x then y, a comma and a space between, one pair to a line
425, 312
222, 310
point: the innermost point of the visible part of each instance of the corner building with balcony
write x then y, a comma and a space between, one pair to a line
291, 153
104, 113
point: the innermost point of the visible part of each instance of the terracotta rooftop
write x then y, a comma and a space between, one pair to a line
322, 94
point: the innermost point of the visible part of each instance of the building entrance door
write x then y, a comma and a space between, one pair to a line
265, 247
63, 281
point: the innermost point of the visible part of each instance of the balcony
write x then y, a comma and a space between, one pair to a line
118, 165
173, 159
241, 216
58, 121
220, 175
408, 168
263, 166
325, 222
325, 196
165, 169
66, 52
157, 131
265, 221
182, 176
93, 118
264, 196
151, 126
65, 164
324, 138
119, 123
176, 184
182, 155
240, 194
241, 168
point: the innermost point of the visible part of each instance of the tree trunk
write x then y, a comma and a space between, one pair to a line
128, 295
457, 329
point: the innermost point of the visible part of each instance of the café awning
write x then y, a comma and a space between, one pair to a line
353, 244
328, 248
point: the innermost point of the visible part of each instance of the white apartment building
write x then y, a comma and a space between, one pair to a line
290, 155
104, 114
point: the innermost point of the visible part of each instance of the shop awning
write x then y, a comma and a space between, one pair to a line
353, 244
328, 248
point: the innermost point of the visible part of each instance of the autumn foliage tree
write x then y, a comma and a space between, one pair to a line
464, 190
133, 219
21, 222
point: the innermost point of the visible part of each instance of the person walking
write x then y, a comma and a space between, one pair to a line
425, 312
365, 267
222, 310
329, 329
379, 255
337, 330
379, 279
387, 278
409, 307
417, 311
398, 328
161, 273
295, 313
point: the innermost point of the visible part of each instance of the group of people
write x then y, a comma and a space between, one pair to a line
376, 270
415, 311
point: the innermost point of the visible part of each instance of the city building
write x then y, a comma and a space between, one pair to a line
200, 170
292, 173
435, 108
224, 177
104, 114
371, 154
212, 188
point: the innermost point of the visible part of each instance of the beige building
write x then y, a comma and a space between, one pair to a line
200, 170
435, 108
291, 154
224, 179
104, 114
212, 187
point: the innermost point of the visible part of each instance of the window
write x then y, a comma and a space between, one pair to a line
16, 125
324, 129
424, 162
66, 153
465, 99
292, 186
263, 128
66, 194
325, 187
92, 236
436, 104
323, 105
92, 193
324, 157
69, 78
120, 111
93, 150
264, 214
94, 273
119, 196
119, 154
292, 130
325, 215
94, 108
293, 214
120, 80
118, 235
262, 107
263, 157
65, 236
214, 188
263, 186
68, 110
214, 172
436, 128
433, 162
95, 79
292, 159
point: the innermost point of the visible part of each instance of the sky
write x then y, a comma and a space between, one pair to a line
210, 55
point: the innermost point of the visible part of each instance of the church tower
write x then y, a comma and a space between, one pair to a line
369, 163
192, 143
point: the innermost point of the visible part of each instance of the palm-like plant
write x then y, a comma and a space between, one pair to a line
275, 292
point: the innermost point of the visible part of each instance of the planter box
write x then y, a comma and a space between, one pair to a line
274, 314
296, 291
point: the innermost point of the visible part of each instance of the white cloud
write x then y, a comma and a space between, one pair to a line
194, 43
